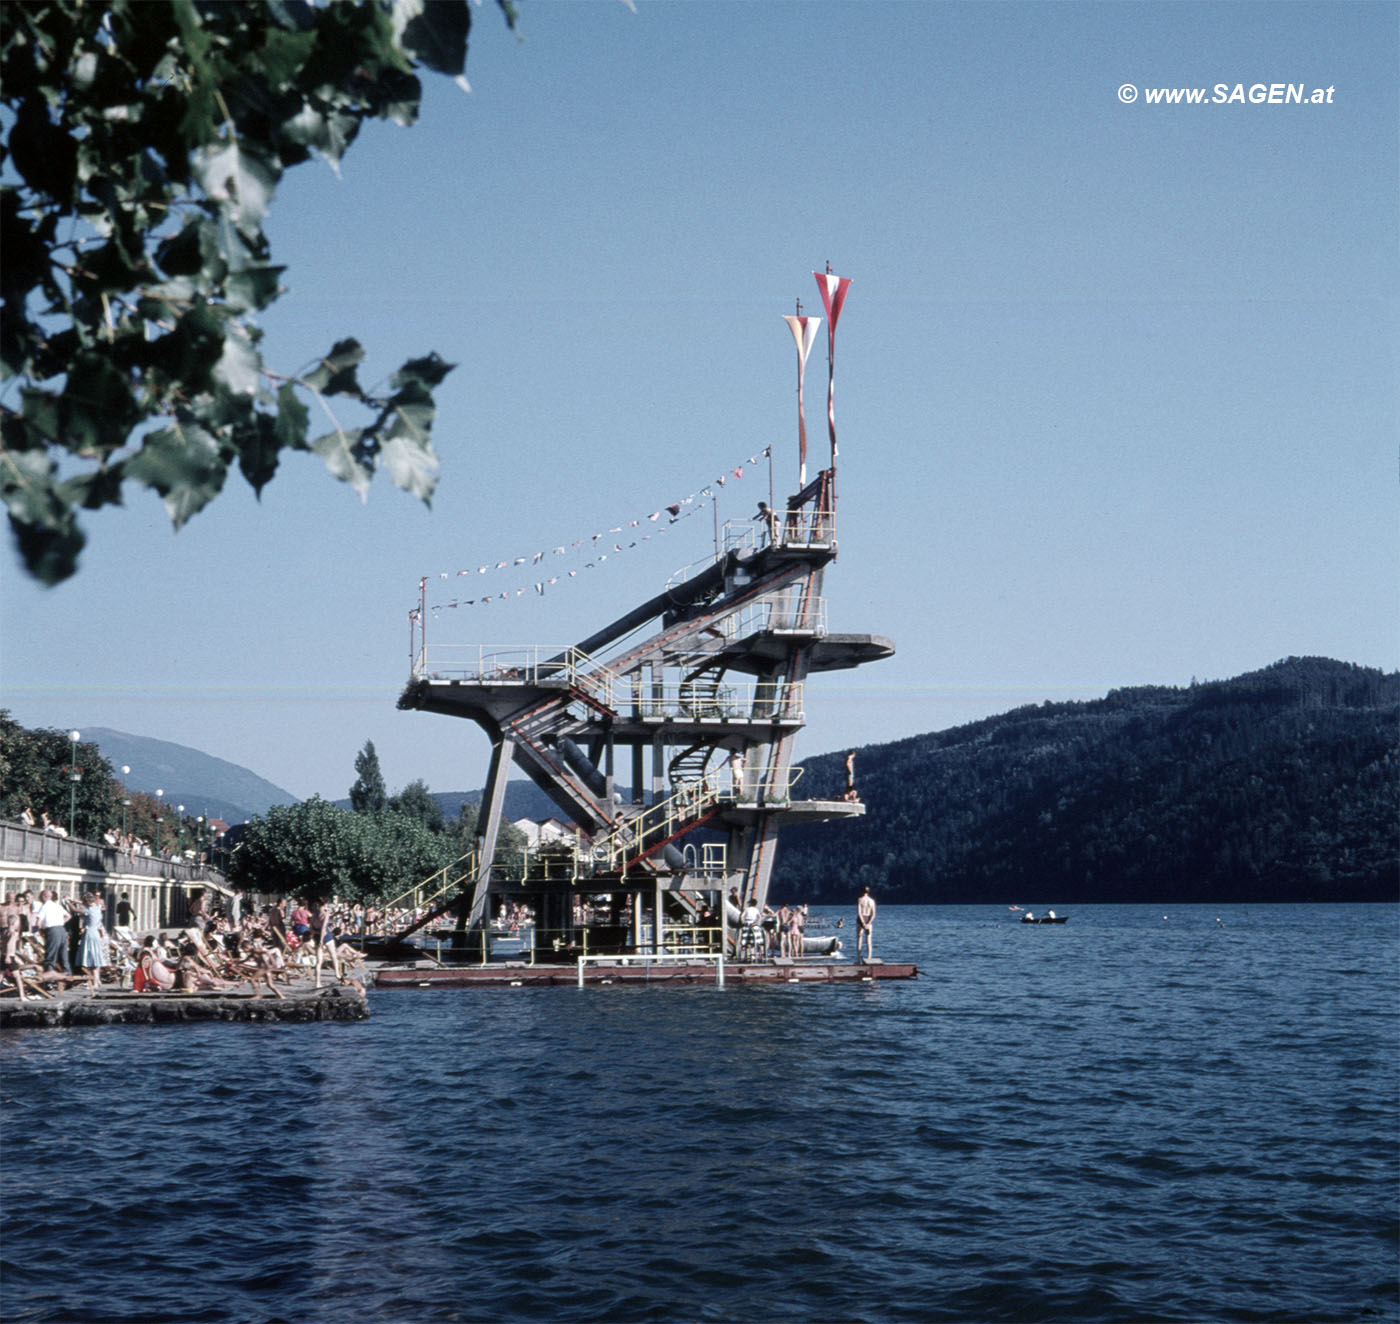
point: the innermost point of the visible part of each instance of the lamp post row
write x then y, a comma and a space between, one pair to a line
75, 775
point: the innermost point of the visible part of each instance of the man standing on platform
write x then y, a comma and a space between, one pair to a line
865, 924
50, 918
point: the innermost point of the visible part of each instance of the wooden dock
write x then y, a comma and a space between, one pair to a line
303, 1002
637, 971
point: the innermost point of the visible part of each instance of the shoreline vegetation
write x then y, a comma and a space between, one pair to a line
1276, 786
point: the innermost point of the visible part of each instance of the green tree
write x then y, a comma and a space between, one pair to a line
415, 801
148, 818
144, 141
315, 849
510, 840
402, 851
36, 774
368, 795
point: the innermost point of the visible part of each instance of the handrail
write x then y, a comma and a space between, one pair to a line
518, 664
779, 788
792, 612
656, 825
776, 700
455, 881
652, 958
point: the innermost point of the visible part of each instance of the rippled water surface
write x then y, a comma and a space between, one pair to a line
1179, 1116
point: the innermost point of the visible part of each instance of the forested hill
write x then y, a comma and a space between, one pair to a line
1279, 785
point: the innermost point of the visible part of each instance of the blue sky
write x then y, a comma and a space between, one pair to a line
1116, 383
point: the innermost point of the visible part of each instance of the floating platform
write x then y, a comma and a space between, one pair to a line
639, 971
340, 1002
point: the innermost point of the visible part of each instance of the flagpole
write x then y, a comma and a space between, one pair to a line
423, 618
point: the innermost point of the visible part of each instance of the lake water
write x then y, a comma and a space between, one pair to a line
1169, 1114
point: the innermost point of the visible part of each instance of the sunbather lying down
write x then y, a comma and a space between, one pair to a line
28, 976
152, 975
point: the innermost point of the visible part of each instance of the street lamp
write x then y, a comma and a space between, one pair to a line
159, 793
74, 777
179, 829
126, 802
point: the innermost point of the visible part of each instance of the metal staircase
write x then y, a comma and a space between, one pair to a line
693, 699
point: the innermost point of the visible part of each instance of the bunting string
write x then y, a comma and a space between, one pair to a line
592, 551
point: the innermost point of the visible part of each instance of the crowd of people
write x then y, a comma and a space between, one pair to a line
51, 943
43, 822
766, 932
127, 842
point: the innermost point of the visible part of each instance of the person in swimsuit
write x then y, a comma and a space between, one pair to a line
261, 965
865, 924
795, 919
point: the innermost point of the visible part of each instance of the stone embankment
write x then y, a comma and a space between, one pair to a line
341, 1002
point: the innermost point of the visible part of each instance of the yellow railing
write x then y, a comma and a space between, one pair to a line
436, 885
655, 825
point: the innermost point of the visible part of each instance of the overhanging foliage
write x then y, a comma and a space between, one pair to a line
143, 144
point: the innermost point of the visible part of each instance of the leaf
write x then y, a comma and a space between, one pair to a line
339, 450
254, 286
42, 414
240, 178
183, 254
292, 419
258, 450
50, 551
98, 488
182, 462
41, 519
239, 365
335, 374
435, 33
187, 356
97, 409
429, 371
412, 464
328, 130
27, 482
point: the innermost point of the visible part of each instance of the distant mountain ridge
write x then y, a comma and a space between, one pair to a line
1278, 785
201, 782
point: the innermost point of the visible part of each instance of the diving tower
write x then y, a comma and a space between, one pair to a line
697, 720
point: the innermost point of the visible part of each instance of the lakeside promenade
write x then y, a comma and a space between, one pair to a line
158, 887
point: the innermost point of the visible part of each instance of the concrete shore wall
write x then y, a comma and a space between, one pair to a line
341, 1002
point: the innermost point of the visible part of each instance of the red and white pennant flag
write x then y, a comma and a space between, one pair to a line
833, 290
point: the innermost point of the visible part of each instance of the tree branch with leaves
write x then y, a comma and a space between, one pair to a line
143, 144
